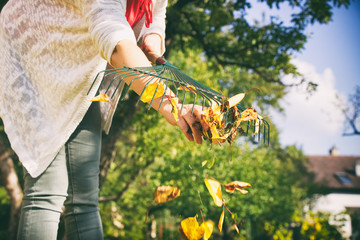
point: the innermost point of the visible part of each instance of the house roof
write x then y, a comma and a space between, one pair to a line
336, 173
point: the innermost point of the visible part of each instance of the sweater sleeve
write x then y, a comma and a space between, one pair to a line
158, 25
107, 24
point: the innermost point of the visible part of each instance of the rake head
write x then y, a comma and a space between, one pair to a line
113, 85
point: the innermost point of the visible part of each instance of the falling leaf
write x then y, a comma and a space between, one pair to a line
236, 185
166, 193
101, 97
234, 100
204, 163
214, 189
221, 221
208, 227
236, 228
174, 109
190, 228
153, 90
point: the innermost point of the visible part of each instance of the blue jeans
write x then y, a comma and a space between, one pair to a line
71, 180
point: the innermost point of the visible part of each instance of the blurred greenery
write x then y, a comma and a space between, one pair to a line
213, 42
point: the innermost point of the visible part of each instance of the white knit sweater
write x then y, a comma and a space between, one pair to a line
50, 52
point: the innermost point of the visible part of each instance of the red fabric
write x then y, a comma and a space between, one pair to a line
135, 10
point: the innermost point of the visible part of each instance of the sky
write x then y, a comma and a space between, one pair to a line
331, 58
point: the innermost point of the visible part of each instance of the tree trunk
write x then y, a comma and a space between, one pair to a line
10, 181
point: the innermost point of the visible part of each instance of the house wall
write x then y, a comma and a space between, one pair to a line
336, 203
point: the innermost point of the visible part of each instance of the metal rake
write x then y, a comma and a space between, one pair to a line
113, 82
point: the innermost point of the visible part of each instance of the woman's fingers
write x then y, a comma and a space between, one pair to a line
190, 123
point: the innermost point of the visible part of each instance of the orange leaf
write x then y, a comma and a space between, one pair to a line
188, 88
214, 189
208, 227
190, 228
174, 109
221, 221
166, 193
236, 228
236, 185
249, 114
101, 97
215, 136
149, 92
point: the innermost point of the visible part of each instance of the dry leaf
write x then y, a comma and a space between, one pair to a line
188, 88
150, 90
249, 114
236, 228
236, 185
221, 221
166, 193
174, 109
190, 228
214, 189
234, 100
208, 227
101, 97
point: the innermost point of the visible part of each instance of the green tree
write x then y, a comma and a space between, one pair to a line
231, 55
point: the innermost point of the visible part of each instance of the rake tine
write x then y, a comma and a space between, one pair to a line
147, 83
192, 110
182, 103
247, 128
163, 96
152, 100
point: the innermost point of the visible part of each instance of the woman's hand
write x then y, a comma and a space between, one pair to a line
188, 121
191, 124
152, 43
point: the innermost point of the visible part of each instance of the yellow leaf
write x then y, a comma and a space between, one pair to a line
101, 97
204, 163
166, 193
174, 109
188, 88
249, 114
215, 136
234, 100
236, 185
221, 221
208, 227
150, 90
214, 189
190, 228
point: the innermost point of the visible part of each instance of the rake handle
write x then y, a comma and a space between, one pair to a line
154, 58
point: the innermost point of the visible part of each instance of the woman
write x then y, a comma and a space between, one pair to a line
50, 52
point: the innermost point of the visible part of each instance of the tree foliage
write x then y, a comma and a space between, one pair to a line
214, 42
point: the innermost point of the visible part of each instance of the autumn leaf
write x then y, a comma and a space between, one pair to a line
236, 228
101, 97
234, 100
215, 135
188, 88
236, 185
174, 109
221, 221
214, 188
249, 114
190, 228
166, 193
152, 89
208, 227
